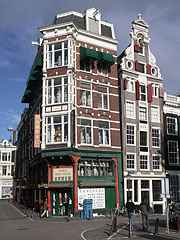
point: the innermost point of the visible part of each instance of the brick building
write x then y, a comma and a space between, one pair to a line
70, 134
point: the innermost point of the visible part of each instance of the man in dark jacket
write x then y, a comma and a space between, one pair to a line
144, 207
130, 208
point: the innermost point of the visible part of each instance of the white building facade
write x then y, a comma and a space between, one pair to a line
7, 161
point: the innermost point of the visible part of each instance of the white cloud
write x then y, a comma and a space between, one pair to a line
12, 117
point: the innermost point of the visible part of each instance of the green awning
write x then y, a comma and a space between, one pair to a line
27, 92
87, 52
39, 62
60, 184
97, 183
106, 57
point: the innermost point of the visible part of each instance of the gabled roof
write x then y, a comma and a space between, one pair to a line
140, 21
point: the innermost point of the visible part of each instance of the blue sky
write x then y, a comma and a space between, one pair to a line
19, 20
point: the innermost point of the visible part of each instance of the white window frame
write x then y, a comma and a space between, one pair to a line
132, 154
143, 115
8, 156
104, 131
142, 94
130, 113
50, 135
86, 127
155, 137
101, 97
155, 90
177, 152
130, 85
131, 125
155, 161
147, 161
6, 168
52, 98
176, 132
147, 140
51, 54
157, 118
102, 68
86, 102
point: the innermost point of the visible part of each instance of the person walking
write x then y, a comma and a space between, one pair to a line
130, 208
144, 207
45, 209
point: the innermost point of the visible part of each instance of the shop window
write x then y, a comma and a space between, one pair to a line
85, 94
156, 185
57, 129
103, 133
103, 101
58, 54
171, 125
58, 90
144, 184
136, 191
155, 137
95, 168
86, 131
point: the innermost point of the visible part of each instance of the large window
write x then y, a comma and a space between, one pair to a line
154, 114
58, 54
155, 137
143, 138
130, 110
156, 162
86, 64
58, 90
86, 131
174, 187
6, 157
143, 162
130, 161
173, 153
103, 133
171, 125
142, 92
155, 90
102, 68
156, 185
85, 94
4, 170
130, 134
57, 129
130, 85
142, 113
103, 98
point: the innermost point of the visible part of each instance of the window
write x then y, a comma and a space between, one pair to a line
130, 161
58, 54
156, 185
103, 132
130, 85
142, 113
141, 67
130, 134
141, 50
57, 129
103, 102
102, 68
85, 94
154, 114
86, 64
155, 137
173, 154
174, 187
171, 125
4, 170
142, 92
130, 111
58, 90
156, 163
144, 184
143, 138
155, 90
86, 131
143, 162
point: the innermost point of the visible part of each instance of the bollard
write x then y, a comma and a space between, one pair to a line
89, 214
113, 226
178, 225
130, 228
156, 226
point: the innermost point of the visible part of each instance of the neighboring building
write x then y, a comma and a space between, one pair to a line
141, 93
172, 143
7, 160
73, 88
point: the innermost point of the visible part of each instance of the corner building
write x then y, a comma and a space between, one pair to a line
141, 93
80, 151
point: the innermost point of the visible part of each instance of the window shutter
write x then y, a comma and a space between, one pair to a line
125, 84
137, 90
150, 93
137, 66
136, 48
148, 69
161, 92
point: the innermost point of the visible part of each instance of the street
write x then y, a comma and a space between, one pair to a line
15, 225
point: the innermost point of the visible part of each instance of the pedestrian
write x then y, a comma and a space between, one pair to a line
145, 208
45, 209
11, 198
130, 209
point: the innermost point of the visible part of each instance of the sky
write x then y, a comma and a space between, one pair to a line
19, 23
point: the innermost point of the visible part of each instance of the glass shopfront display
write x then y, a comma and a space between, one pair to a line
62, 204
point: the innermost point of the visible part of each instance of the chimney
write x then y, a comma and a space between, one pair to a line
14, 137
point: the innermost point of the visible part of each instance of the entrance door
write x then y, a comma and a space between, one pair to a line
145, 195
61, 202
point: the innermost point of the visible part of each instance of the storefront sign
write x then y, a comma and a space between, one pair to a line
7, 183
96, 194
36, 131
63, 174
